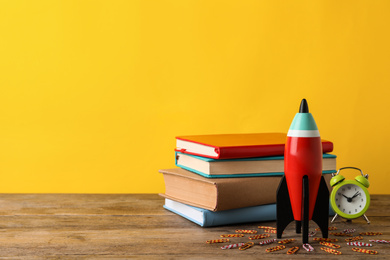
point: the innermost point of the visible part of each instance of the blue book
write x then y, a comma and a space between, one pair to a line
208, 218
245, 167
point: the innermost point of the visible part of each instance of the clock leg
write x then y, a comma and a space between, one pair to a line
366, 219
334, 218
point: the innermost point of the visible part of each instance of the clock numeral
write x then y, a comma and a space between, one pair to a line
343, 189
349, 212
338, 206
343, 210
355, 210
349, 187
362, 199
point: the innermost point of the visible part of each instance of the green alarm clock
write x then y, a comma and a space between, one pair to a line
350, 198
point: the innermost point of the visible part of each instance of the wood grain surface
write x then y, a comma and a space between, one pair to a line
122, 226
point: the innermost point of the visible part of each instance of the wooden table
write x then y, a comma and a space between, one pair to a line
82, 226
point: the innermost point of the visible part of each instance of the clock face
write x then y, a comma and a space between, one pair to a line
350, 199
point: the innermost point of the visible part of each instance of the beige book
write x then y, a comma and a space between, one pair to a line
220, 193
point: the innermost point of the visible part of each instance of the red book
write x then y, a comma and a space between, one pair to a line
231, 146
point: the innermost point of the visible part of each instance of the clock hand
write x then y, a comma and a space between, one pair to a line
348, 199
356, 194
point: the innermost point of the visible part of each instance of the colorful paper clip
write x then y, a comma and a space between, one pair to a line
328, 244
246, 246
217, 241
331, 251
265, 227
380, 241
370, 233
275, 248
293, 250
286, 241
349, 230
361, 250
267, 242
232, 246
246, 231
272, 231
358, 244
308, 247
232, 235
354, 239
259, 236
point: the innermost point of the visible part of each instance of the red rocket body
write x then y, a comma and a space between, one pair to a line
302, 193
303, 156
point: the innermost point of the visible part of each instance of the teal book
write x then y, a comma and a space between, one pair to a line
208, 218
245, 167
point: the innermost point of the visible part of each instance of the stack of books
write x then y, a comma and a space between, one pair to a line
229, 178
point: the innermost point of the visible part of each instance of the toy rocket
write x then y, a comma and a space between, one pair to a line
302, 194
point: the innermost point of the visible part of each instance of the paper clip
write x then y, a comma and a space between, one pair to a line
361, 250
380, 241
232, 246
354, 239
232, 235
349, 230
246, 231
308, 247
329, 244
293, 250
265, 227
358, 244
275, 248
331, 251
217, 241
267, 242
259, 236
370, 233
246, 246
286, 241
272, 231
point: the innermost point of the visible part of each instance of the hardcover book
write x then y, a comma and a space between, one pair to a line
207, 218
229, 146
244, 167
220, 193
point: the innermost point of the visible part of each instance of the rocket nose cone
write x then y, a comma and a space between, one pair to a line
304, 108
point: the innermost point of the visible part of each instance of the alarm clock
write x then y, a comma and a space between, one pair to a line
350, 198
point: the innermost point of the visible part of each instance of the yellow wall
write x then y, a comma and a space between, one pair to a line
92, 93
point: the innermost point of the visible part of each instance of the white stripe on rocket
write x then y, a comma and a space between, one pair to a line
303, 133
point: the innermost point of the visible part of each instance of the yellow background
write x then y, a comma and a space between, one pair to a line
93, 93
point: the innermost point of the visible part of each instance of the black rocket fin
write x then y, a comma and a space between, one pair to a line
321, 209
284, 214
305, 209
